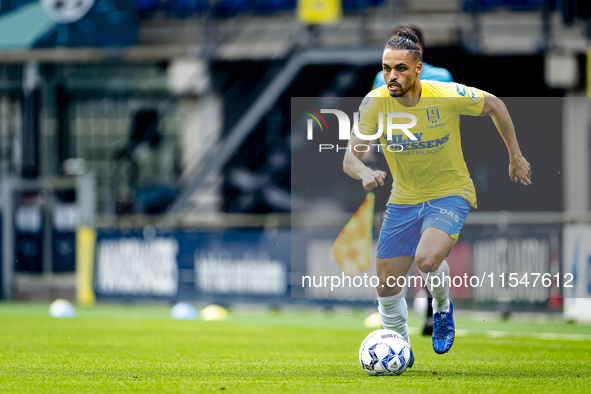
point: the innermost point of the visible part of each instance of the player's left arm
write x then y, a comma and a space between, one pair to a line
519, 168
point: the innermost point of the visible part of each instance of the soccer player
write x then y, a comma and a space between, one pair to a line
432, 191
431, 73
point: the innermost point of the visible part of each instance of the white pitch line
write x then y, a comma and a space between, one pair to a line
514, 334
537, 335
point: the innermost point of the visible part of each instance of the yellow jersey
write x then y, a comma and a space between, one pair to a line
430, 165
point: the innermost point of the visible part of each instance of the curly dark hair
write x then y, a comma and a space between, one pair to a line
407, 39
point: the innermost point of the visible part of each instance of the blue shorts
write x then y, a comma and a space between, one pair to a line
404, 224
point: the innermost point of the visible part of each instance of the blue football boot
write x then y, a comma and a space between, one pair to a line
444, 331
411, 360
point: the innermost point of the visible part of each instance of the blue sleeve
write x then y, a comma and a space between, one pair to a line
433, 73
378, 81
441, 75
446, 76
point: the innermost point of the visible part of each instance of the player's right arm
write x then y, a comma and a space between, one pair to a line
367, 119
354, 167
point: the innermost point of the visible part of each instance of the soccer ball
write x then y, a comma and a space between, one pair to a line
384, 352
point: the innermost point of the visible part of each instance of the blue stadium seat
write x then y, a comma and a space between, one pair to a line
513, 5
354, 5
376, 3
187, 7
225, 8
146, 6
229, 8
271, 6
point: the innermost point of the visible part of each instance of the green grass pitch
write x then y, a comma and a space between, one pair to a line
138, 348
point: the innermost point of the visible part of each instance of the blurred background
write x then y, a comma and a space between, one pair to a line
146, 145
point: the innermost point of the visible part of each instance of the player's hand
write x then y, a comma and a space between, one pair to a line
520, 170
371, 179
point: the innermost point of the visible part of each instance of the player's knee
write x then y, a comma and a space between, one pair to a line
388, 292
428, 262
388, 287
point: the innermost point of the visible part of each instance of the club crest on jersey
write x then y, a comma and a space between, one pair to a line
433, 115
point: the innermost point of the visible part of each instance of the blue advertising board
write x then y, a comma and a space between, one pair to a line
28, 236
246, 264
63, 237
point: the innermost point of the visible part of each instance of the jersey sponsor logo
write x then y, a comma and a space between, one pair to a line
473, 95
407, 145
433, 115
403, 138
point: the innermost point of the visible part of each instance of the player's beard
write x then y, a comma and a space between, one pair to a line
402, 91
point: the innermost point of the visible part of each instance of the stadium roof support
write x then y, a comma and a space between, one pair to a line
226, 148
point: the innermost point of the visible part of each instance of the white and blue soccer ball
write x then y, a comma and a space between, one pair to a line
384, 352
